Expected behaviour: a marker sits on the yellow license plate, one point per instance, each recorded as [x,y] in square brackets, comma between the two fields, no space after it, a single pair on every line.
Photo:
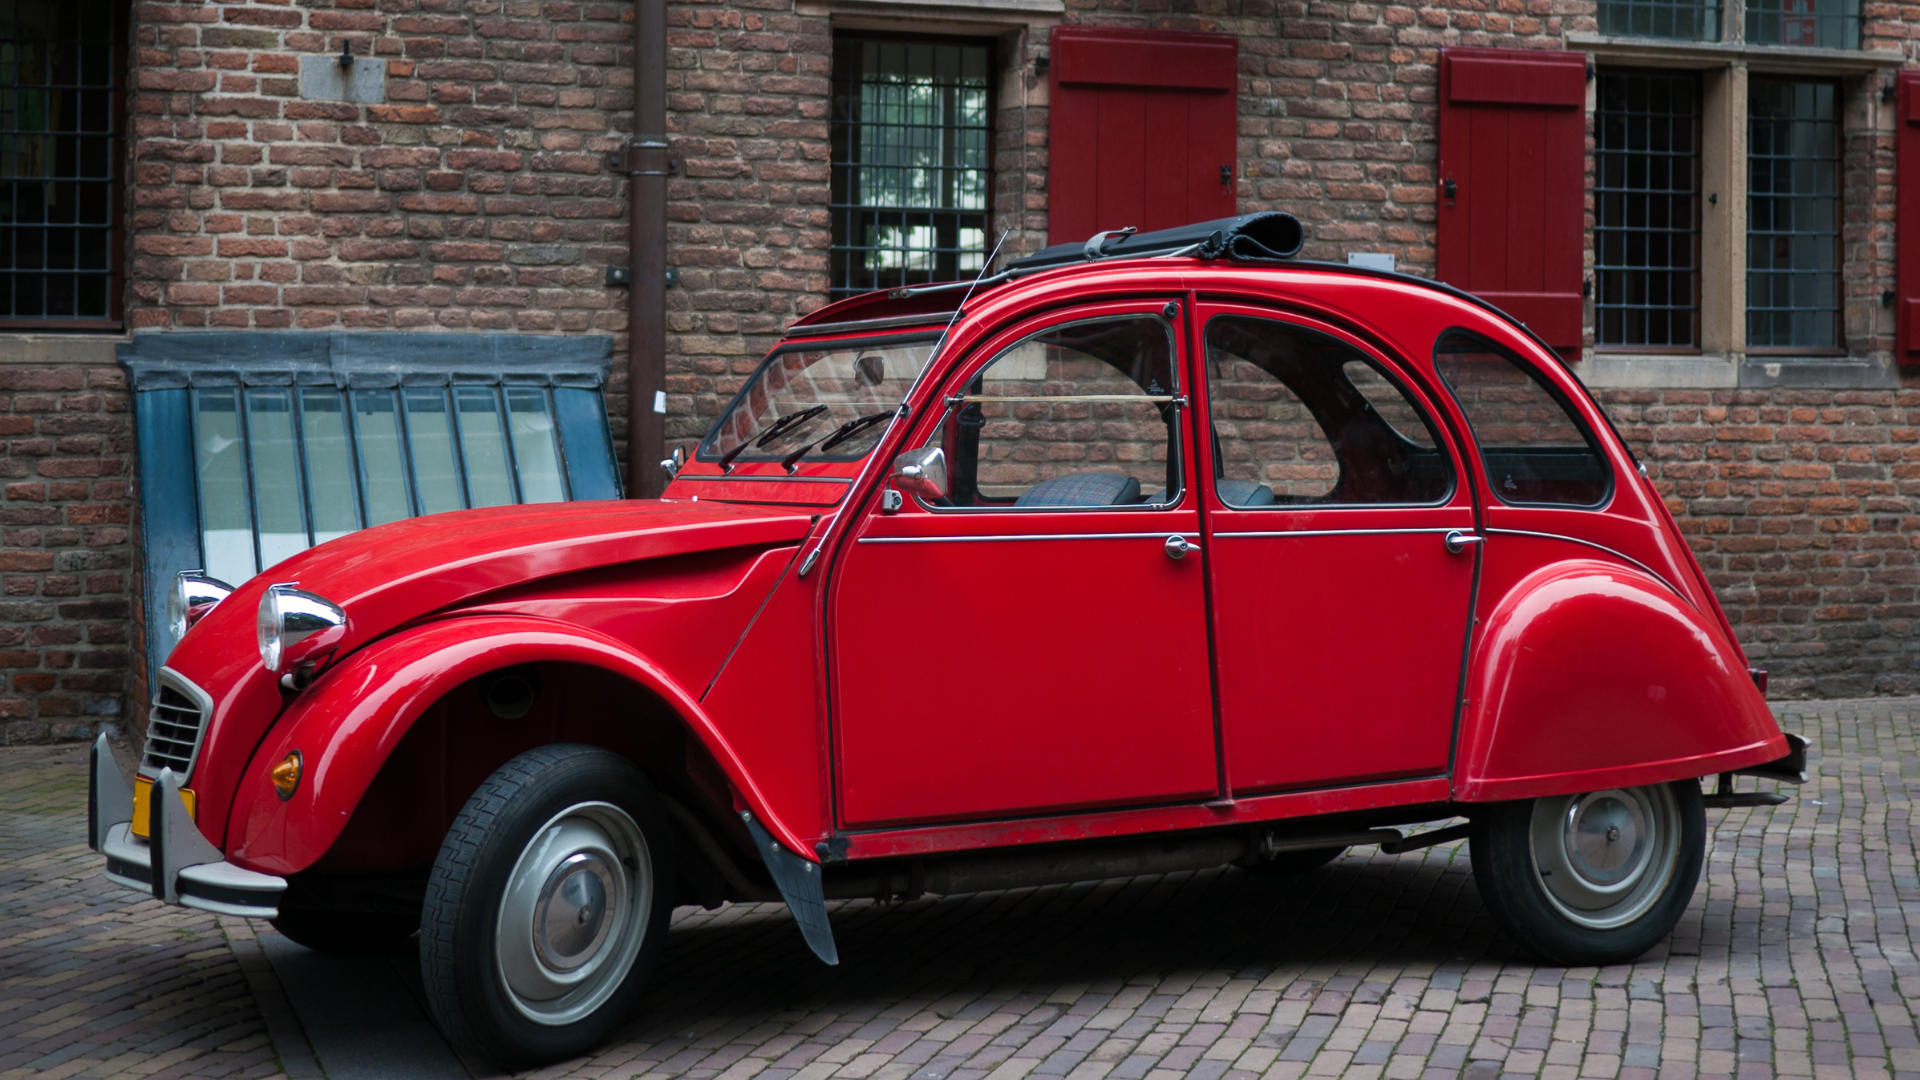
[143,804]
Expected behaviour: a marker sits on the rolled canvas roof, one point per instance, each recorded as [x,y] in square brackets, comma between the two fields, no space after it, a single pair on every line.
[1264,237]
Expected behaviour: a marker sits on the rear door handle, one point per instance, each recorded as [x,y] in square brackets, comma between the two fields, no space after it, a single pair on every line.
[1458,541]
[1177,546]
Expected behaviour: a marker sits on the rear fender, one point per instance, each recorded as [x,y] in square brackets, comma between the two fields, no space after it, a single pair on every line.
[1591,675]
[347,724]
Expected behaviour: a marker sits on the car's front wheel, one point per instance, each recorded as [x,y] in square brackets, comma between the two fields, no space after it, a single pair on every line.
[1595,878]
[547,904]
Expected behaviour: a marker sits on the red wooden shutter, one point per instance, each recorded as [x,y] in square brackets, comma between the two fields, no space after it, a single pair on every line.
[1906,221]
[1142,130]
[1513,183]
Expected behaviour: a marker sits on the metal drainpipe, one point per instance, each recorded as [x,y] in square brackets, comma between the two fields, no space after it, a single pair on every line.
[647,167]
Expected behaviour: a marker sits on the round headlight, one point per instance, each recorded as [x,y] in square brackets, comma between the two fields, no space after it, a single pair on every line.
[192,596]
[297,627]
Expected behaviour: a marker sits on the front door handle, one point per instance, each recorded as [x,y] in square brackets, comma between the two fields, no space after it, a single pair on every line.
[1177,546]
[1458,541]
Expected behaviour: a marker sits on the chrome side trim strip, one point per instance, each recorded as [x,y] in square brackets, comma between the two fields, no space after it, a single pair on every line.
[1288,533]
[1621,555]
[1159,537]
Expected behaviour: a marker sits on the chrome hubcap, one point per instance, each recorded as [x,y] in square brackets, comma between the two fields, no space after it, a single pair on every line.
[1605,857]
[570,919]
[574,913]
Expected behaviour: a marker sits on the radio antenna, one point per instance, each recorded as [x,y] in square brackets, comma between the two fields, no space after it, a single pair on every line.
[826,533]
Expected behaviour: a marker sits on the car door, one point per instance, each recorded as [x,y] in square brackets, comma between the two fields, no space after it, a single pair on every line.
[1036,641]
[1342,556]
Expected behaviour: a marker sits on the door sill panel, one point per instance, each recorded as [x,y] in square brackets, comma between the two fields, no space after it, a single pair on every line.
[925,840]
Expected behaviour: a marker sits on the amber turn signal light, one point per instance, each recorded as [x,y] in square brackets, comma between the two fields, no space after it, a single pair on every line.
[286,775]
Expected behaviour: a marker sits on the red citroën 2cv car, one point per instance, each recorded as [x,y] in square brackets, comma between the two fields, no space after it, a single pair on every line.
[1154,553]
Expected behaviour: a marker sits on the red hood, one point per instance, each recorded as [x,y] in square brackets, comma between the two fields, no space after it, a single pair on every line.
[391,575]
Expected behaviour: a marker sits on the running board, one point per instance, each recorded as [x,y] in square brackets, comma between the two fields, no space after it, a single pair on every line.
[799,882]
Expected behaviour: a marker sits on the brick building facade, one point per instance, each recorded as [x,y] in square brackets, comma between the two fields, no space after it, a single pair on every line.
[455,180]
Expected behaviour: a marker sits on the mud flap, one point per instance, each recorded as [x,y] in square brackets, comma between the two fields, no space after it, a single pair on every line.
[799,882]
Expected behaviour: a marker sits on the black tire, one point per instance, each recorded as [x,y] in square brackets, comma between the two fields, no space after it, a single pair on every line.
[345,932]
[1292,863]
[476,977]
[1584,918]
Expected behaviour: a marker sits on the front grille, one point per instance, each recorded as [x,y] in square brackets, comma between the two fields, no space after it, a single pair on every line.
[175,726]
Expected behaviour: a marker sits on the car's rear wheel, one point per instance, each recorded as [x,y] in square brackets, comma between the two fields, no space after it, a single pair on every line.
[1594,878]
[548,903]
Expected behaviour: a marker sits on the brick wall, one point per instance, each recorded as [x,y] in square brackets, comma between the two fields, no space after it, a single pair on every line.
[66,554]
[477,197]
[1801,506]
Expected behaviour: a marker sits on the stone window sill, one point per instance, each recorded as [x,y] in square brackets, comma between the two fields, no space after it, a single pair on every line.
[1783,59]
[60,350]
[1610,370]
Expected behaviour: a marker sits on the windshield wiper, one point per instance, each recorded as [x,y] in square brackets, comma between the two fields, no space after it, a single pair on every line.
[837,436]
[780,426]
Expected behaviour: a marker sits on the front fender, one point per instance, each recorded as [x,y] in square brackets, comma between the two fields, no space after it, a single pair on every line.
[348,723]
[1590,675]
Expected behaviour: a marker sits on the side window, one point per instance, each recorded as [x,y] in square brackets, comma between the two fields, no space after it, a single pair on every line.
[1080,415]
[1303,418]
[1535,449]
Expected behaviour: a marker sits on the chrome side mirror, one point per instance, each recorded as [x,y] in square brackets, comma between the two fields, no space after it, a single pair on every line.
[674,462]
[921,472]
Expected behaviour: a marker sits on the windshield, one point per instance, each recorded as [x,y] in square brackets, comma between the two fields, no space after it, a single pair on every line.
[816,396]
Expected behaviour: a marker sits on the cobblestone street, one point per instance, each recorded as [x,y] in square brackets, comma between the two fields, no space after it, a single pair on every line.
[1795,959]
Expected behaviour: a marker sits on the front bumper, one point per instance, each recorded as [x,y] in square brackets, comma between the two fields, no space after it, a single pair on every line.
[177,864]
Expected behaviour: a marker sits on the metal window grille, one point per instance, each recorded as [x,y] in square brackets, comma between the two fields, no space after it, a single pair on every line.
[1793,214]
[1824,24]
[911,132]
[60,91]
[281,468]
[1690,20]
[1646,203]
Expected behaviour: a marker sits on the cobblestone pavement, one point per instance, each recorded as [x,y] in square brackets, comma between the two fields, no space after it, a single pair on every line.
[95,981]
[1795,959]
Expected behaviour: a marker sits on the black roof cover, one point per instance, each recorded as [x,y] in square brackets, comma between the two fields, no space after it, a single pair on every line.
[1266,237]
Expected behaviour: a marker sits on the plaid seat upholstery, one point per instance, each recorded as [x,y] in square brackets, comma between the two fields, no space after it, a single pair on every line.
[1082,489]
[1243,492]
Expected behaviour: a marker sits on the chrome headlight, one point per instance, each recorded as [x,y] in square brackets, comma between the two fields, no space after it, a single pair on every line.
[297,628]
[192,596]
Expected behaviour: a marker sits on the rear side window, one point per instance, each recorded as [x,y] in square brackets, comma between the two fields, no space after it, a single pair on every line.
[1535,448]
[1302,418]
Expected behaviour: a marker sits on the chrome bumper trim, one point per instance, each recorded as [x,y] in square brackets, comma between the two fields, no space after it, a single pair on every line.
[191,872]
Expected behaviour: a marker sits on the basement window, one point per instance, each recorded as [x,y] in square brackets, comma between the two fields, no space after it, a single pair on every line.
[257,445]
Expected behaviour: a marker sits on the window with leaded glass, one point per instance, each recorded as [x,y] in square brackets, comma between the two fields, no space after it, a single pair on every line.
[1823,24]
[1793,214]
[60,108]
[1646,210]
[1689,20]
[911,132]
